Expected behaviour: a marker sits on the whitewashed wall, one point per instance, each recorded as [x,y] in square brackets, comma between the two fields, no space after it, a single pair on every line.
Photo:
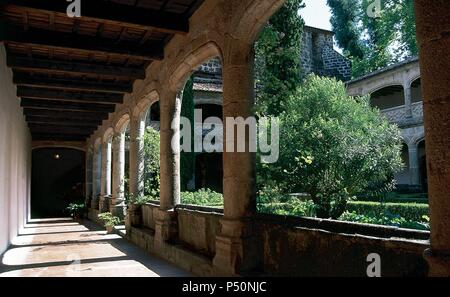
[15,159]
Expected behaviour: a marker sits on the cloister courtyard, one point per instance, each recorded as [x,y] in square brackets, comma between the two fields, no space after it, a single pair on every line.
[96,181]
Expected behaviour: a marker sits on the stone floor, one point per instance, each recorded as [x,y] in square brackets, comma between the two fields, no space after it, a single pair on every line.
[65,248]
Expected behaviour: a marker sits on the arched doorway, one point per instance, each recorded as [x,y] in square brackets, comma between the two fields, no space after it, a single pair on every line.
[58,179]
[423,166]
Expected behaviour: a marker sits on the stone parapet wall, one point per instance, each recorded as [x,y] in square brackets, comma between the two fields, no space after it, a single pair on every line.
[289,246]
[296,250]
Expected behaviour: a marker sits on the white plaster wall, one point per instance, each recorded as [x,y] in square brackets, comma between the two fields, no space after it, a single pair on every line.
[15,159]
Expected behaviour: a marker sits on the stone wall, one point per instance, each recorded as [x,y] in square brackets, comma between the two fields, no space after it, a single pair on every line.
[198,229]
[318,55]
[15,159]
[290,246]
[292,249]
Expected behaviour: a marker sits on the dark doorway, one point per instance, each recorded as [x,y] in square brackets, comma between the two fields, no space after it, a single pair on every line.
[58,178]
[209,172]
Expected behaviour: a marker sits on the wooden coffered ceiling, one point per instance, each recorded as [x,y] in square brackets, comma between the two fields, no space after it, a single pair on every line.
[71,72]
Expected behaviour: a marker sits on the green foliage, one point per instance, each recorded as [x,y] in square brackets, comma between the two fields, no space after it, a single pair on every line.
[152,163]
[277,63]
[386,219]
[332,147]
[373,43]
[400,215]
[294,207]
[344,23]
[409,211]
[187,159]
[203,197]
[141,200]
[109,220]
[76,210]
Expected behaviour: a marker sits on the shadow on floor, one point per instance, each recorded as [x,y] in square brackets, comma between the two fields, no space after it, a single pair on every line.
[74,249]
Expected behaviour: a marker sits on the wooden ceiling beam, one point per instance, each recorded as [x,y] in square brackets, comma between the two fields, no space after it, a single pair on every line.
[22,79]
[56,137]
[52,129]
[74,42]
[72,106]
[54,94]
[69,115]
[66,67]
[63,122]
[109,13]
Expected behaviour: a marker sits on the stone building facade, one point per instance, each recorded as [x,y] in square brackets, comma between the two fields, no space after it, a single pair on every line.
[396,91]
[318,55]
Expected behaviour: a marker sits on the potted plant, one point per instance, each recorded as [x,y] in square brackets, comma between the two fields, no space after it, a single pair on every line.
[76,211]
[109,221]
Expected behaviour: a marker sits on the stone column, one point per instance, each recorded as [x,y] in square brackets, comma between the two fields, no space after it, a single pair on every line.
[89,177]
[137,129]
[433,27]
[414,169]
[117,202]
[105,192]
[235,245]
[95,182]
[408,100]
[166,223]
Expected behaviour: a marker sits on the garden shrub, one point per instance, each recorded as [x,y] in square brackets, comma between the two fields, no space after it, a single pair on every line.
[409,211]
[152,163]
[332,146]
[203,197]
[386,219]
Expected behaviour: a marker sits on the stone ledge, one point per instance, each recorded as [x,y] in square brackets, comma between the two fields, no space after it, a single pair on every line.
[377,231]
[177,254]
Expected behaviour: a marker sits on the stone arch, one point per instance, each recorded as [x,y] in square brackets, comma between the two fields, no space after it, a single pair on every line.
[382,86]
[388,96]
[144,104]
[60,145]
[109,133]
[414,79]
[191,61]
[250,20]
[122,123]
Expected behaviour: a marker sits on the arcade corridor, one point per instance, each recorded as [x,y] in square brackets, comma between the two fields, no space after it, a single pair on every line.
[84,82]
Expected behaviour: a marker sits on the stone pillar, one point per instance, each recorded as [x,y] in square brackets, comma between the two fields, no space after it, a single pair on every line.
[166,223]
[89,178]
[117,202]
[95,182]
[408,100]
[137,129]
[235,245]
[433,27]
[414,168]
[105,192]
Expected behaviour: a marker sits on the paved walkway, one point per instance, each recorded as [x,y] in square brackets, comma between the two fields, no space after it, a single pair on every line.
[65,248]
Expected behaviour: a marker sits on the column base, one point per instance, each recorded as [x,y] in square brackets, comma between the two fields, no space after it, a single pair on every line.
[103,205]
[166,227]
[95,202]
[117,207]
[134,215]
[236,249]
[439,264]
[88,201]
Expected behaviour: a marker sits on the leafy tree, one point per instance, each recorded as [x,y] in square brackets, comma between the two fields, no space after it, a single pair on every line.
[374,42]
[344,24]
[333,146]
[277,63]
[152,163]
[187,159]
